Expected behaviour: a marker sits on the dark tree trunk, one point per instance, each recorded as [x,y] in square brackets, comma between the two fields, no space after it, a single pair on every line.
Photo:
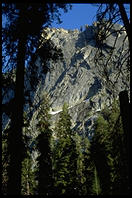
[15,142]
[125,115]
[125,105]
[125,111]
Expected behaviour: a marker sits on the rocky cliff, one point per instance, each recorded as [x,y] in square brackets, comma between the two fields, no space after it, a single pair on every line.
[75,78]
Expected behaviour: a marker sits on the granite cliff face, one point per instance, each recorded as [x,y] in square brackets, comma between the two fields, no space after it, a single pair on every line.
[76,79]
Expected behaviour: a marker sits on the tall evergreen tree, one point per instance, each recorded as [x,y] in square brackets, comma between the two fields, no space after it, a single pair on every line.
[28,183]
[109,152]
[15,135]
[88,166]
[118,156]
[5,162]
[65,159]
[28,176]
[99,154]
[84,172]
[81,188]
[96,190]
[44,148]
[25,22]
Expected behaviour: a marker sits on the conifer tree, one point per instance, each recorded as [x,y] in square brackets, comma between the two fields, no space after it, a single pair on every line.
[21,35]
[5,162]
[28,176]
[84,166]
[96,190]
[117,157]
[88,165]
[65,156]
[28,183]
[44,148]
[99,154]
[109,152]
[80,171]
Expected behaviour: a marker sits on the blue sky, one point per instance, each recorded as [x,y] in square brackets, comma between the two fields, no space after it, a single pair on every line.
[79,15]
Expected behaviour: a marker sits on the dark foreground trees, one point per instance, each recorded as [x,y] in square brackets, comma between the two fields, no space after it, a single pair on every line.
[44,159]
[109,152]
[65,156]
[71,165]
[99,167]
[20,37]
[107,16]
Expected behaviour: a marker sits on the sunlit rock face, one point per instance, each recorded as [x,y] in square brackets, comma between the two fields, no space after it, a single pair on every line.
[76,79]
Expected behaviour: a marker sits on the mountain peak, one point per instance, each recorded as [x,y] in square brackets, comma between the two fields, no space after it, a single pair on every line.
[76,79]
